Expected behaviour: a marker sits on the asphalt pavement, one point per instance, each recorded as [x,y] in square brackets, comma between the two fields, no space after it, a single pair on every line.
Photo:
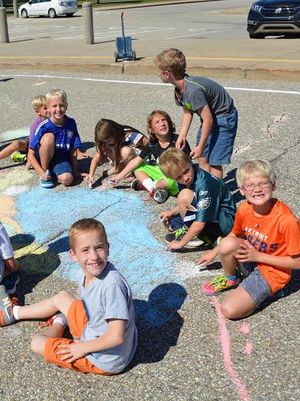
[186,351]
[239,58]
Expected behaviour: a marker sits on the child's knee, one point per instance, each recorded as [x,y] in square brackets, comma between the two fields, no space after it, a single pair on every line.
[38,344]
[185,196]
[127,153]
[47,139]
[229,311]
[65,179]
[228,245]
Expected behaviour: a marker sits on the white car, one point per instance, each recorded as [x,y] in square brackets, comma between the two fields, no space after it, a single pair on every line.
[50,8]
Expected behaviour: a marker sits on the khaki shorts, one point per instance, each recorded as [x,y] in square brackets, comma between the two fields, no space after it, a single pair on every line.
[77,321]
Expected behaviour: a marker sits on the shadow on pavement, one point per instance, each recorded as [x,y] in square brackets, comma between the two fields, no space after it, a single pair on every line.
[158,322]
[36,263]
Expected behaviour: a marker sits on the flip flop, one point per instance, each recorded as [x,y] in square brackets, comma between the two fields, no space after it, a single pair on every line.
[47,183]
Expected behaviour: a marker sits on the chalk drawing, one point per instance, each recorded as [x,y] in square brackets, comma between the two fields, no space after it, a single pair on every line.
[226,349]
[14,134]
[47,215]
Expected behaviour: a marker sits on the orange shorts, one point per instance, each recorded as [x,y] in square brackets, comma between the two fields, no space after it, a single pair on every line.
[77,321]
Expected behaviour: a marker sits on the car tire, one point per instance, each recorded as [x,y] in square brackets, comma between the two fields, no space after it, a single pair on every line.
[51,13]
[256,36]
[24,13]
[70,14]
[116,57]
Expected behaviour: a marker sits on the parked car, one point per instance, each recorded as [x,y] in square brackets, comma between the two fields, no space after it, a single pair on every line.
[50,8]
[274,17]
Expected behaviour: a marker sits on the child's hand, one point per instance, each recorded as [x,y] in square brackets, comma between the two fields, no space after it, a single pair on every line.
[196,152]
[89,179]
[45,176]
[165,216]
[116,179]
[70,352]
[247,253]
[174,246]
[207,257]
[180,143]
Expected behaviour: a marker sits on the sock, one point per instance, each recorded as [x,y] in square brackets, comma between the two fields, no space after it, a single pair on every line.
[59,319]
[15,312]
[231,278]
[148,184]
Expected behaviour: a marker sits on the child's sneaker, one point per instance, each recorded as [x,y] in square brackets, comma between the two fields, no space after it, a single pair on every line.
[137,185]
[219,284]
[48,182]
[159,195]
[6,306]
[18,157]
[179,234]
[10,282]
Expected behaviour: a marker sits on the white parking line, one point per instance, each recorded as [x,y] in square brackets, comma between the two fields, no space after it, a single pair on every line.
[117,81]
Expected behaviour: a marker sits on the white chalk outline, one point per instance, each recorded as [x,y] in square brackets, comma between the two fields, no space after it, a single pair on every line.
[117,81]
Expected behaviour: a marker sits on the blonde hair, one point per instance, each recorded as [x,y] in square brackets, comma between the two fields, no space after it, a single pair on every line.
[255,166]
[150,119]
[83,226]
[173,162]
[57,93]
[39,102]
[172,60]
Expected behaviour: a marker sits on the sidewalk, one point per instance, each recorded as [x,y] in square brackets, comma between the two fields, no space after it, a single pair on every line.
[237,58]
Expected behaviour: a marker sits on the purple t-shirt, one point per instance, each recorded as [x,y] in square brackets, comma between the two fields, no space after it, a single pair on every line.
[34,125]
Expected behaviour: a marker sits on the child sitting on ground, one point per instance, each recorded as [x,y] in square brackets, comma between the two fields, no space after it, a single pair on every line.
[145,167]
[264,243]
[102,322]
[53,148]
[115,143]
[205,195]
[208,99]
[9,268]
[18,149]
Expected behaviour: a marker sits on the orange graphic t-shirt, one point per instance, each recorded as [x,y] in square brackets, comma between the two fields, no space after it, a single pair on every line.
[277,234]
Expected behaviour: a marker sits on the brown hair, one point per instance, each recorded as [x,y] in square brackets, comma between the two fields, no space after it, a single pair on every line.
[85,225]
[173,162]
[149,123]
[108,129]
[172,60]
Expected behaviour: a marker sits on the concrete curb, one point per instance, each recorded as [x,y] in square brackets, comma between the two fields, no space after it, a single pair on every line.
[138,69]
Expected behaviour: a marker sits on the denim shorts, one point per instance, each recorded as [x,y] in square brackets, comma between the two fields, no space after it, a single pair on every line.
[219,145]
[254,283]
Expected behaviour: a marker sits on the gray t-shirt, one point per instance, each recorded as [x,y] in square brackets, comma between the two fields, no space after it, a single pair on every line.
[199,91]
[109,297]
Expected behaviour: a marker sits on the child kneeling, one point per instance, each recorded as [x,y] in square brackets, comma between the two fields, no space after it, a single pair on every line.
[264,244]
[102,322]
[205,204]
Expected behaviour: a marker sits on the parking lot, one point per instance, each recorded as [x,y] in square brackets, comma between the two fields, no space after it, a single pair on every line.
[186,350]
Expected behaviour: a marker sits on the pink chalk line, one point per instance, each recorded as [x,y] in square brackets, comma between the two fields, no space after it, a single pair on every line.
[225,344]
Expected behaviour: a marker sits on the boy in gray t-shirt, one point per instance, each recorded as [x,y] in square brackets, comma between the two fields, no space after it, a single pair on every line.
[213,104]
[102,322]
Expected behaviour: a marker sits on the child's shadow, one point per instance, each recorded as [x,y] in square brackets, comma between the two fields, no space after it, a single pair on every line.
[158,322]
[231,184]
[36,263]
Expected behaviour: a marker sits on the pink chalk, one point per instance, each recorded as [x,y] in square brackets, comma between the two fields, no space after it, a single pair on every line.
[226,349]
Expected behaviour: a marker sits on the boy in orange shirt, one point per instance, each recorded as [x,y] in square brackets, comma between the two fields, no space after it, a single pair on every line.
[264,243]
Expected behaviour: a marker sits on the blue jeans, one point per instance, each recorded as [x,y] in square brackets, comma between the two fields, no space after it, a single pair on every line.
[219,145]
